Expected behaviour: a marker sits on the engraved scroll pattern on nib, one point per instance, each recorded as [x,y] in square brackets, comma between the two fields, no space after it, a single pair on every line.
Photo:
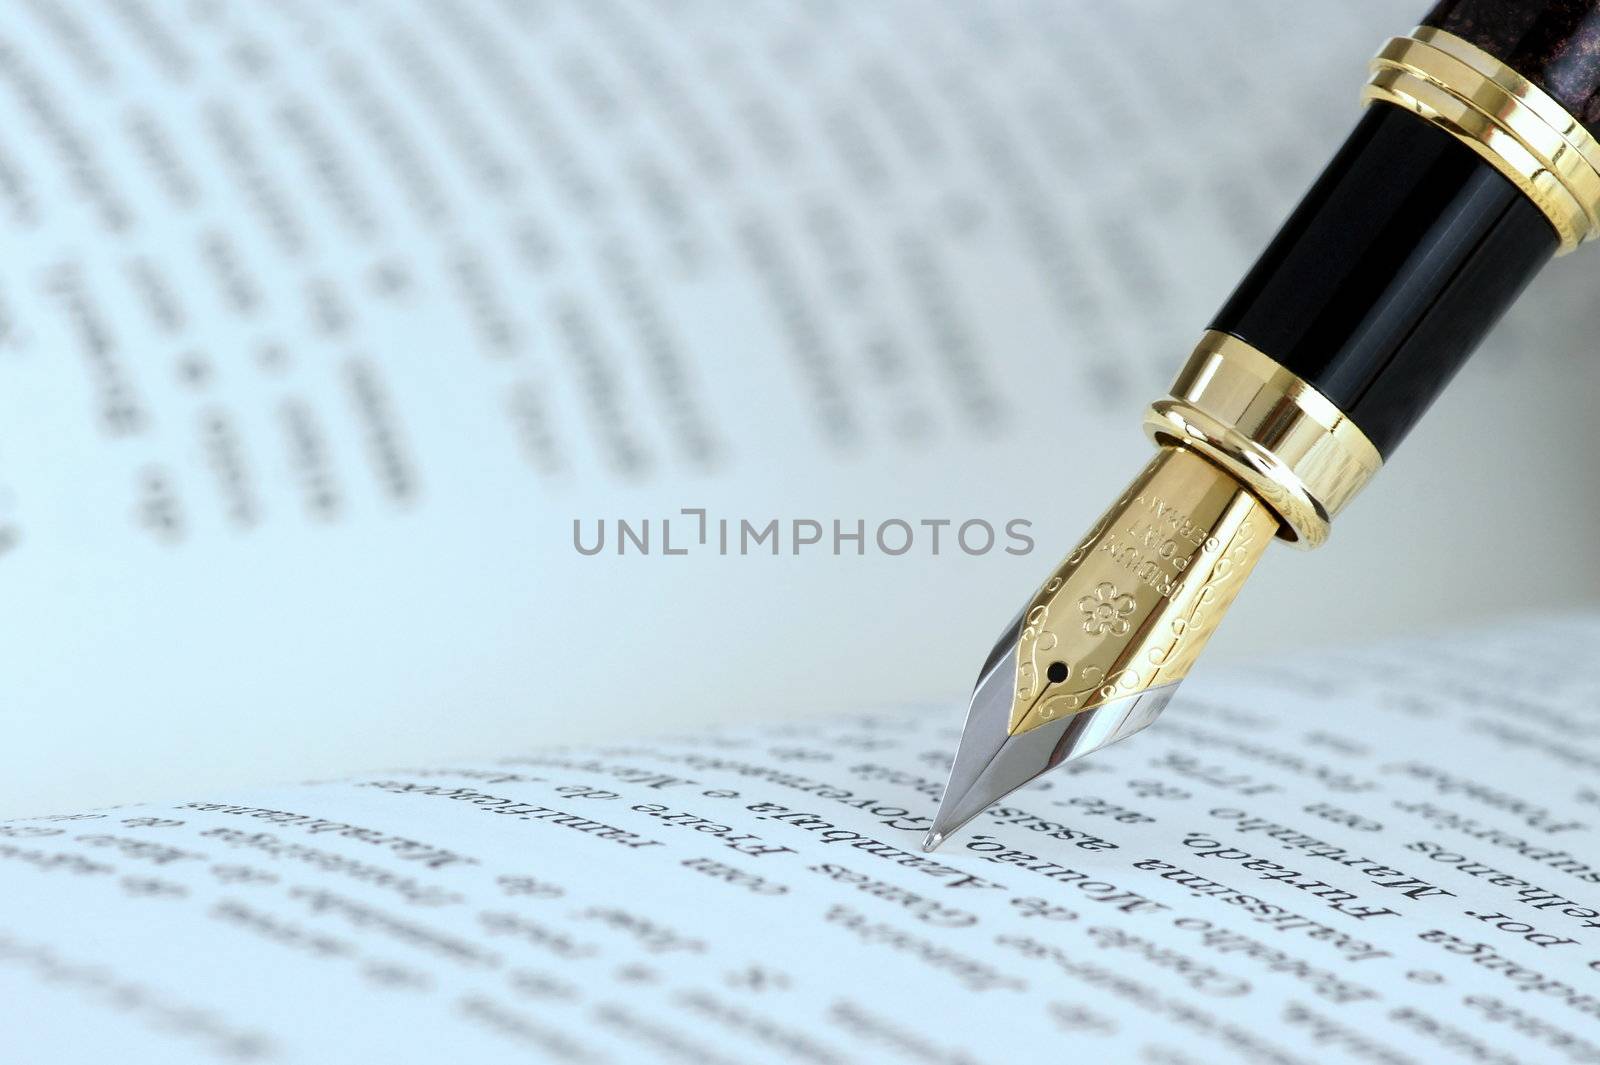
[1133,604]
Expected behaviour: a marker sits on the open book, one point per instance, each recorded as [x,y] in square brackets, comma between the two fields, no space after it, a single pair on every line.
[422,383]
[323,326]
[1387,856]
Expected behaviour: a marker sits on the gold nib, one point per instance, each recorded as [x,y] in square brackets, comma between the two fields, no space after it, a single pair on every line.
[1249,451]
[1131,607]
[1103,644]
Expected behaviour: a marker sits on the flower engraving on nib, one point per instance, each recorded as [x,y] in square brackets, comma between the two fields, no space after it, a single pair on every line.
[1106,611]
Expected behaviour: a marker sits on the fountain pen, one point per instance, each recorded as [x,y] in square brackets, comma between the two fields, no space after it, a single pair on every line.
[1474,162]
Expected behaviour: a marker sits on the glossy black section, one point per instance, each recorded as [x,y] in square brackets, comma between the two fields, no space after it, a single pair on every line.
[1394,266]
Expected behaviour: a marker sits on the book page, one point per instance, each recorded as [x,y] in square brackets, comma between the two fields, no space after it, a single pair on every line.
[1371,857]
[338,342]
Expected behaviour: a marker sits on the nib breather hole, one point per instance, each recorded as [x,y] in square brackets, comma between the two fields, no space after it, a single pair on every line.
[1057,672]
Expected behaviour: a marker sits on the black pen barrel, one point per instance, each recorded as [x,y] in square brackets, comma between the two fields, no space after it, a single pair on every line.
[1401,257]
[1475,163]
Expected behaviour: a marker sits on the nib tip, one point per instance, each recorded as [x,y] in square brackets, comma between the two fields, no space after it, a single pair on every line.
[931,842]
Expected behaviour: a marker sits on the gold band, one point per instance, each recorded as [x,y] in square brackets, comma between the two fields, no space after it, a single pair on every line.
[1271,430]
[1505,118]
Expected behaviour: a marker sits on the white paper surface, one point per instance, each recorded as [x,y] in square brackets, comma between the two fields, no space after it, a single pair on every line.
[321,324]
[1370,856]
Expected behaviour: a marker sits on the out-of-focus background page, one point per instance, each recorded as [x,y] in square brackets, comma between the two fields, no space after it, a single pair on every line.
[321,325]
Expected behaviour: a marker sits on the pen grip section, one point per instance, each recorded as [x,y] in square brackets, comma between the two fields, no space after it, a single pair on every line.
[1391,270]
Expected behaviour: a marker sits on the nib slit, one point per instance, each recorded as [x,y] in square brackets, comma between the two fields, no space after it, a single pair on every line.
[1127,642]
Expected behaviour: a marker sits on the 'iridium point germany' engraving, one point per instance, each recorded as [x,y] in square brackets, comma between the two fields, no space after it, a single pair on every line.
[1131,606]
